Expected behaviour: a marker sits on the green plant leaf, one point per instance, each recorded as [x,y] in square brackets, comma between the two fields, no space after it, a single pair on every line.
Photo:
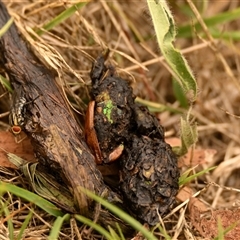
[57,227]
[221,231]
[179,94]
[228,35]
[184,179]
[158,107]
[121,214]
[120,232]
[24,225]
[6,83]
[164,233]
[189,136]
[31,197]
[113,233]
[4,208]
[186,30]
[61,17]
[44,184]
[94,225]
[166,32]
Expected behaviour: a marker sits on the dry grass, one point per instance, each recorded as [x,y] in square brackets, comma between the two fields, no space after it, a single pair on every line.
[125,28]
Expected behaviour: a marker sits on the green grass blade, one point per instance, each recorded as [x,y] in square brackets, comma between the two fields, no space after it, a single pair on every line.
[113,234]
[120,232]
[31,197]
[158,107]
[121,214]
[184,179]
[95,226]
[24,225]
[229,35]
[57,227]
[186,30]
[221,231]
[61,17]
[164,233]
[185,175]
[5,83]
[9,220]
[6,26]
[166,32]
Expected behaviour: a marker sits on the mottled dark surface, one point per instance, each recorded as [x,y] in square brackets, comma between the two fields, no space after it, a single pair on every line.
[149,178]
[149,173]
[146,124]
[113,113]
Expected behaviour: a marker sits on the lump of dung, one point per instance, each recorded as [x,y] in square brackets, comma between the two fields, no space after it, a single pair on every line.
[149,178]
[149,172]
[113,114]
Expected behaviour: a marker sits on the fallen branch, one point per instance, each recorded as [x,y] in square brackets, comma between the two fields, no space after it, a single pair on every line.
[41,111]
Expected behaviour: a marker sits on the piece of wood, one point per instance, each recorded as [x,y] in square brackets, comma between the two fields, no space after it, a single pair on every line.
[57,140]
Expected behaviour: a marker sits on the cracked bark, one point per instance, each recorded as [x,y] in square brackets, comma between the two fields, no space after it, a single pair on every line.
[56,137]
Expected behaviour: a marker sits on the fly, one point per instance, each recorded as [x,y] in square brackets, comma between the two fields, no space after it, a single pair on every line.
[16,116]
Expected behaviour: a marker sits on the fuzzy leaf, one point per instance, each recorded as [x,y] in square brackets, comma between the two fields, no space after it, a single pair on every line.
[166,32]
[189,137]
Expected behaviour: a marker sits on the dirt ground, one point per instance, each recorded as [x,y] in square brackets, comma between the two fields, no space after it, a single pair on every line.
[125,28]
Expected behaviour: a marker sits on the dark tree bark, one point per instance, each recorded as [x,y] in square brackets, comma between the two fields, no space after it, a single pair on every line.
[56,137]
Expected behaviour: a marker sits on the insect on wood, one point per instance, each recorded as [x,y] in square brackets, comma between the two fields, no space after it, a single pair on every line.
[16,116]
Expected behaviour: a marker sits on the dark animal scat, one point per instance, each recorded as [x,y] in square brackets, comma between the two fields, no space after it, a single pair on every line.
[150,188]
[149,172]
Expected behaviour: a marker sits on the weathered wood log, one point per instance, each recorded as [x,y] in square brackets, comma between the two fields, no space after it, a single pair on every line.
[47,120]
